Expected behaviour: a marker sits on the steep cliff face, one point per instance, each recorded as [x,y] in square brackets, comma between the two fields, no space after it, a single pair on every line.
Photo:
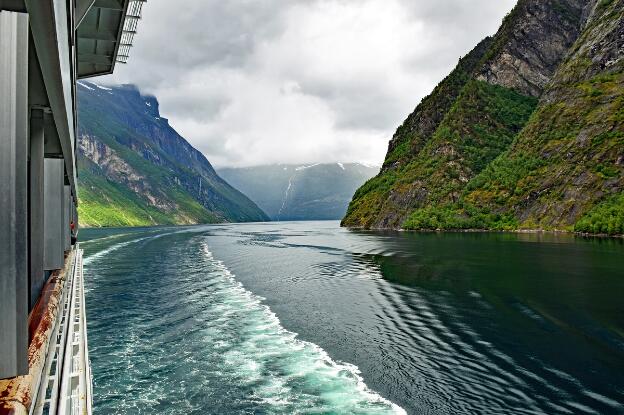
[531,43]
[439,163]
[135,169]
[566,168]
[420,125]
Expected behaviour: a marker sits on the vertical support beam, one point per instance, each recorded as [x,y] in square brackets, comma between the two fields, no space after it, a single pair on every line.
[66,217]
[53,186]
[36,207]
[76,219]
[13,191]
[75,215]
[51,31]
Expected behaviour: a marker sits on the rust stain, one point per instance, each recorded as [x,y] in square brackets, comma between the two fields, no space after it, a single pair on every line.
[39,311]
[15,396]
[16,393]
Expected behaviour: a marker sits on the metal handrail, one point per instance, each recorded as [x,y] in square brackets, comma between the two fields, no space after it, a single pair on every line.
[47,392]
[66,387]
[133,15]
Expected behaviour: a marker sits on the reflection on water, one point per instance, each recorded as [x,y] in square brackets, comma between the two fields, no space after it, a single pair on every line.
[436,323]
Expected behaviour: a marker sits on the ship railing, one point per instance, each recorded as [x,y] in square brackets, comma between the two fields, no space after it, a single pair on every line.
[66,385]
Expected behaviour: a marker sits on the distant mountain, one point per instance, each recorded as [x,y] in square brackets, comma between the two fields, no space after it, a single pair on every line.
[134,169]
[291,192]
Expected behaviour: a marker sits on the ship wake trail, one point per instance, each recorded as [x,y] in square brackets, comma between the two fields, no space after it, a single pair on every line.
[287,374]
[189,338]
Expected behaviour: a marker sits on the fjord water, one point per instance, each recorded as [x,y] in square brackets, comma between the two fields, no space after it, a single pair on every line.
[286,318]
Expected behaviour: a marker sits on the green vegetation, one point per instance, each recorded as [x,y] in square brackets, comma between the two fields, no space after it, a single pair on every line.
[546,174]
[106,203]
[135,170]
[499,160]
[453,218]
[562,162]
[418,128]
[480,124]
[605,218]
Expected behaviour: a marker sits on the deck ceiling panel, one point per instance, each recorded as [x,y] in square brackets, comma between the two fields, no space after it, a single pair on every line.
[98,36]
[104,35]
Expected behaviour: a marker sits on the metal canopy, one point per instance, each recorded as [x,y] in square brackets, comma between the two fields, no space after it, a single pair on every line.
[105,33]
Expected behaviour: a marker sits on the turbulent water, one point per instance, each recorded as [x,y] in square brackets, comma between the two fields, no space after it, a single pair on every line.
[287,318]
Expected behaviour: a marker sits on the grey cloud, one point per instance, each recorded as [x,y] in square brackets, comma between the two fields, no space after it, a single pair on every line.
[255,81]
[469,15]
[357,106]
[173,40]
[197,104]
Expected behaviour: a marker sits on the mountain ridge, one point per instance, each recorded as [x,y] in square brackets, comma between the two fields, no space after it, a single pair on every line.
[434,175]
[136,170]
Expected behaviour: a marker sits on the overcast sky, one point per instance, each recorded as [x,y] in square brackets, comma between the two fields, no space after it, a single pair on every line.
[252,82]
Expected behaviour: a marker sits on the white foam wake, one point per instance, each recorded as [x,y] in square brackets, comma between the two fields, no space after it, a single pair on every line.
[110,249]
[92,257]
[300,374]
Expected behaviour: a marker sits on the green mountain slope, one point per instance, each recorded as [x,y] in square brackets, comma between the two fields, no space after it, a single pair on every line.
[566,169]
[531,140]
[291,192]
[135,170]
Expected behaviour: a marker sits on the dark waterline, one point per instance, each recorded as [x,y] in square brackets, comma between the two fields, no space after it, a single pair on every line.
[436,323]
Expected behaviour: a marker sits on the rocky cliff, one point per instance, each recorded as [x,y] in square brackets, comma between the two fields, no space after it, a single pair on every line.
[526,132]
[135,169]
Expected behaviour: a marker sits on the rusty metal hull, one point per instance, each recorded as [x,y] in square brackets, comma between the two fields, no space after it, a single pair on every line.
[58,356]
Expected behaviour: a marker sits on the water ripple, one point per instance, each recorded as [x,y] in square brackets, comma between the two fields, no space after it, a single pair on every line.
[192,339]
[432,322]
